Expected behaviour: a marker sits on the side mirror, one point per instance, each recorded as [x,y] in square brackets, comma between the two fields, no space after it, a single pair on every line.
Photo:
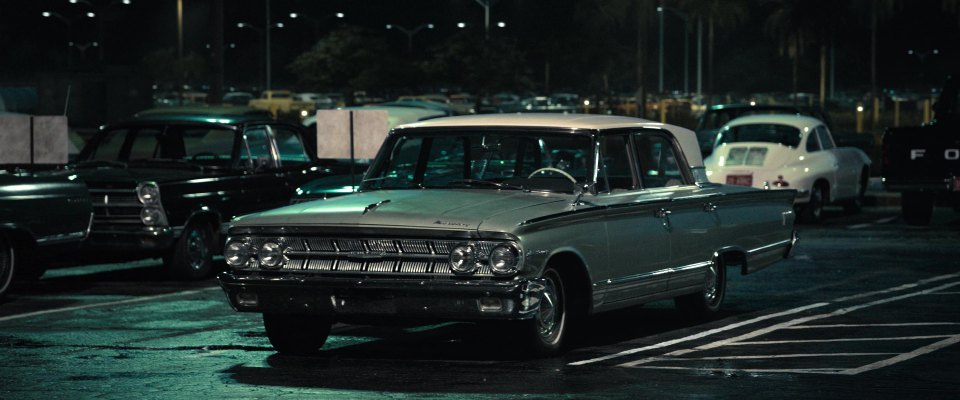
[582,188]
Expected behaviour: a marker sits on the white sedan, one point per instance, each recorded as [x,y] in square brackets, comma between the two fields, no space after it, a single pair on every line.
[788,151]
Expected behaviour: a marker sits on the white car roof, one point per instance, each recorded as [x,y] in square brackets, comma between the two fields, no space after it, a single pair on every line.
[795,120]
[686,137]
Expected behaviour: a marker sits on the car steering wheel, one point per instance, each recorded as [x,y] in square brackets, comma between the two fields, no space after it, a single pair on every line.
[203,154]
[551,169]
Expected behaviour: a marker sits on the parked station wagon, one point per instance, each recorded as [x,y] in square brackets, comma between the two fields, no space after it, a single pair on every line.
[536,220]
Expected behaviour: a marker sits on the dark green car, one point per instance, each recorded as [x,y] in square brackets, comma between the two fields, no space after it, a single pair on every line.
[165,183]
[39,215]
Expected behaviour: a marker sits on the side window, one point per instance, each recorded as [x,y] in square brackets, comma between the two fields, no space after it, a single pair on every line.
[825,140]
[256,148]
[289,146]
[813,144]
[657,159]
[146,142]
[615,173]
[110,145]
[209,146]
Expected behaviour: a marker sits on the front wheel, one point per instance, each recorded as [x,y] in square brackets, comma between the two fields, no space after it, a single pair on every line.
[297,335]
[707,302]
[192,256]
[548,330]
[7,266]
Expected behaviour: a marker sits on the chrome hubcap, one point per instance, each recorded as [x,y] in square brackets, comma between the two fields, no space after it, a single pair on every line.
[196,248]
[712,289]
[547,316]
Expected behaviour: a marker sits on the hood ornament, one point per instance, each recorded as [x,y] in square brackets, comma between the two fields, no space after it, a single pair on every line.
[374,206]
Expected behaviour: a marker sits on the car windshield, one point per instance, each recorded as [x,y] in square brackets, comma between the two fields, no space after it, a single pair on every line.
[483,160]
[769,133]
[212,147]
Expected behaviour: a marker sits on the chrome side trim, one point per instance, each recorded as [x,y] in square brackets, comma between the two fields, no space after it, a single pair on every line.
[627,280]
[63,237]
[770,246]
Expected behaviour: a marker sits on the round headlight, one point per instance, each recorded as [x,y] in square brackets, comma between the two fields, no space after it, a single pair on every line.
[271,256]
[152,216]
[236,253]
[148,193]
[463,259]
[504,259]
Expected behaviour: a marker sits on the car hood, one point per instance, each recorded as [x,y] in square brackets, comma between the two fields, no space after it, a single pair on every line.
[447,209]
[111,177]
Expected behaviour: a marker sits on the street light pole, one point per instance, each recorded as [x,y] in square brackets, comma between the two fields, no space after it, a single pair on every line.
[486,16]
[660,46]
[409,33]
[267,29]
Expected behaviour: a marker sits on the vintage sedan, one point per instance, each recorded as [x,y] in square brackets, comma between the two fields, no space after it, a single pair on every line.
[165,182]
[789,151]
[533,220]
[39,215]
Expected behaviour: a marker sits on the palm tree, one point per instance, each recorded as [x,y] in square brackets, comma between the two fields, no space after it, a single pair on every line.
[798,23]
[717,14]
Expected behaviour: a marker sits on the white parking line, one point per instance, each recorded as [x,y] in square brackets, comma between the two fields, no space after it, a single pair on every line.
[904,357]
[869,224]
[866,339]
[763,318]
[872,325]
[105,304]
[699,335]
[771,356]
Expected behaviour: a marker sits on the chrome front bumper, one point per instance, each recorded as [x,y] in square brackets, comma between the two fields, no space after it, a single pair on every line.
[344,298]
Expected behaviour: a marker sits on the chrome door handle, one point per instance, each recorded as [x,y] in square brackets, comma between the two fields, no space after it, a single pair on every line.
[663,213]
[709,207]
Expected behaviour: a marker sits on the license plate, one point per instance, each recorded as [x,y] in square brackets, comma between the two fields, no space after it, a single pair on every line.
[741,180]
[956,184]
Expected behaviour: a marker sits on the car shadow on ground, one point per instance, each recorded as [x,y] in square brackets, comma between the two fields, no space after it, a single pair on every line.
[437,359]
[137,278]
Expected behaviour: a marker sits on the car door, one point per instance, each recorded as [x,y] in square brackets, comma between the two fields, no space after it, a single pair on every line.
[262,181]
[638,243]
[821,163]
[688,214]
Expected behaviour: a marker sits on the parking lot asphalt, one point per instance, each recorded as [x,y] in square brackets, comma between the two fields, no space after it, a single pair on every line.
[867,307]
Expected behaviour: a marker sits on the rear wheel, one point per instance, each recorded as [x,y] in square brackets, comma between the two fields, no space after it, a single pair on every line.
[707,302]
[192,256]
[297,335]
[812,212]
[854,205]
[917,207]
[7,266]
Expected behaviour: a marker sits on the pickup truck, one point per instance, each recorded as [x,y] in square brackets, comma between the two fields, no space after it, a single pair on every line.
[283,105]
[923,162]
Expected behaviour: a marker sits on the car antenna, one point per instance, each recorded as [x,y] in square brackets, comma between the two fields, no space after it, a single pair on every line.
[66,102]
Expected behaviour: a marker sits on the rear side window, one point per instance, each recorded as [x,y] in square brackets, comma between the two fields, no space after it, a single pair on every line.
[657,161]
[825,141]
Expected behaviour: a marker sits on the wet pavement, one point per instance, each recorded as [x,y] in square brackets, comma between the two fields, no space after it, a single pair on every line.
[867,308]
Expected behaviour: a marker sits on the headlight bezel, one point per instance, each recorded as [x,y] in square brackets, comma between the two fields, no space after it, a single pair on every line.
[153,216]
[466,253]
[241,254]
[512,259]
[148,193]
[274,258]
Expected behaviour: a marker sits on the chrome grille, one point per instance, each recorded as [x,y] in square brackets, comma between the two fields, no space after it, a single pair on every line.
[115,206]
[370,256]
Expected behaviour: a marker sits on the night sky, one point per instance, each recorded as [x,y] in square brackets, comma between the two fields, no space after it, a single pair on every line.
[746,57]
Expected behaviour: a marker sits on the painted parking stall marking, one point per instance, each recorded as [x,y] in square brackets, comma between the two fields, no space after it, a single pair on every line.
[877,344]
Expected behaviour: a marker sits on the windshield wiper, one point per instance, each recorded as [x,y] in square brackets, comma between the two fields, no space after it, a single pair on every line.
[481,182]
[100,163]
[407,185]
